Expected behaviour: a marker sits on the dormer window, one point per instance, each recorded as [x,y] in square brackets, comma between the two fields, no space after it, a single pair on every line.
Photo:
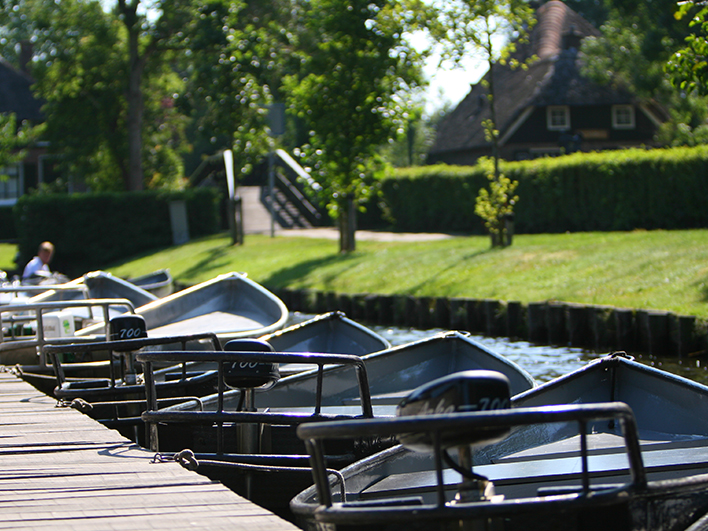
[558,117]
[623,117]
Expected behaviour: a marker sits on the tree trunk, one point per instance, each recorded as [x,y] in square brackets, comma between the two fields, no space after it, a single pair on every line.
[134,100]
[347,227]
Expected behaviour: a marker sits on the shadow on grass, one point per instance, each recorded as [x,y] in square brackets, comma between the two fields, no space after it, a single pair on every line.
[448,267]
[212,260]
[290,275]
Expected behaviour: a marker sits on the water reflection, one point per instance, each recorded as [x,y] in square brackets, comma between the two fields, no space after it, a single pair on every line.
[543,362]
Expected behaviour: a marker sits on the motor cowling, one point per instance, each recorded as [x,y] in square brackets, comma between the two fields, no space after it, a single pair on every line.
[250,374]
[462,392]
[130,326]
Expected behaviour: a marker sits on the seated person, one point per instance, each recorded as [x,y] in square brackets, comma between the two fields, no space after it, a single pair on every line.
[39,265]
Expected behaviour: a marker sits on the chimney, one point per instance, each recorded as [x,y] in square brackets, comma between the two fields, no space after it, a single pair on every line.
[26,52]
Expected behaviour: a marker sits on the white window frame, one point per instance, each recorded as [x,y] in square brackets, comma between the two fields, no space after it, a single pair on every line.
[553,112]
[12,184]
[616,112]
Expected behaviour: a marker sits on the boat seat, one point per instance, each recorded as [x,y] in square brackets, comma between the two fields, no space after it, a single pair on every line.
[246,374]
[99,383]
[382,399]
[552,467]
[466,391]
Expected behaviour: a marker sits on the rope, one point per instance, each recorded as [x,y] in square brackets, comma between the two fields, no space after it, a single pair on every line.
[77,403]
[187,460]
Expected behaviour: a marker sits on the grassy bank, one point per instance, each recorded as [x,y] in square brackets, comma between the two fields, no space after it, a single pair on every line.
[665,270]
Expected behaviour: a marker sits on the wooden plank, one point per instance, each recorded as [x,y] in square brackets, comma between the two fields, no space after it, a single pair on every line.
[62,469]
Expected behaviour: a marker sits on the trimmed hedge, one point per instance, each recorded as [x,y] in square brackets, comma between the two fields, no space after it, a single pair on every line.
[615,190]
[7,224]
[90,231]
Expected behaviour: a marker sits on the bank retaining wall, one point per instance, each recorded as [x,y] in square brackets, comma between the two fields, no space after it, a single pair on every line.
[599,328]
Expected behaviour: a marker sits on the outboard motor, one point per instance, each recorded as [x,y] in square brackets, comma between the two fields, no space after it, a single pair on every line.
[247,376]
[121,328]
[462,392]
[250,374]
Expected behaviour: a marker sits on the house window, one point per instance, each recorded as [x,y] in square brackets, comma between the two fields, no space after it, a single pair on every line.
[10,183]
[558,118]
[623,117]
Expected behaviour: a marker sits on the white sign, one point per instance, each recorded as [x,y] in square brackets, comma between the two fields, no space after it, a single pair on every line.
[229,163]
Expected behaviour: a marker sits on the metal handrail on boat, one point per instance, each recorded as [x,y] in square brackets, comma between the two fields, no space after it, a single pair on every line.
[35,312]
[123,347]
[314,434]
[153,416]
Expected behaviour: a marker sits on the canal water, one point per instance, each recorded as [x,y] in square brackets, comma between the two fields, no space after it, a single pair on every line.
[541,361]
[547,362]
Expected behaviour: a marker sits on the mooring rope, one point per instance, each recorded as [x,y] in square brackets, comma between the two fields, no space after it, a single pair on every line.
[76,403]
[188,460]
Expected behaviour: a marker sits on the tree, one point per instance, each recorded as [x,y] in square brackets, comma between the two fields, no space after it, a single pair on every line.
[355,65]
[14,139]
[478,27]
[688,66]
[237,54]
[103,75]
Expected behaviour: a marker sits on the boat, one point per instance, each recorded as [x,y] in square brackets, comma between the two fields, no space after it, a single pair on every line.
[331,333]
[613,445]
[160,282]
[331,389]
[27,327]
[93,285]
[118,400]
[230,305]
[264,438]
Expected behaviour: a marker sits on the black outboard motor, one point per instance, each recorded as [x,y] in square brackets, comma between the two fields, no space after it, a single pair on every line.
[121,328]
[247,376]
[462,392]
[250,374]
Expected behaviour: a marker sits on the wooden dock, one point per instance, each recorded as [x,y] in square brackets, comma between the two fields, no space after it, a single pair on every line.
[60,469]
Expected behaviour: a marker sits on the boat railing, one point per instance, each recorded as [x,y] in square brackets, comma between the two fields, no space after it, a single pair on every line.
[32,291]
[314,435]
[121,349]
[154,416]
[23,324]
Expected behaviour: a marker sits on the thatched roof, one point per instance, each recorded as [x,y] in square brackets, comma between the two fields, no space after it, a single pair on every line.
[16,95]
[553,79]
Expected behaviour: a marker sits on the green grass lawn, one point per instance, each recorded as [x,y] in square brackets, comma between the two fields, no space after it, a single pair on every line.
[7,256]
[665,270]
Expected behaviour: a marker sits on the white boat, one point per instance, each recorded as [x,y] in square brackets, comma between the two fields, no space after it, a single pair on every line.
[333,390]
[329,333]
[160,283]
[28,326]
[230,305]
[613,445]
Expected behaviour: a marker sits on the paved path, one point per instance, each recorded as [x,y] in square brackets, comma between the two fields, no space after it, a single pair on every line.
[333,234]
[62,470]
[256,220]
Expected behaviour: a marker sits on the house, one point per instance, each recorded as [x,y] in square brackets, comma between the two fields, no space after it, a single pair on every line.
[550,108]
[16,97]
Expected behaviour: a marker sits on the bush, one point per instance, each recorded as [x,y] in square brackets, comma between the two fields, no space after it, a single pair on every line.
[612,190]
[7,225]
[92,230]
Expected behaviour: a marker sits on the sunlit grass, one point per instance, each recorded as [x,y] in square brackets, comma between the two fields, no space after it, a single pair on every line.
[7,256]
[665,270]
[643,269]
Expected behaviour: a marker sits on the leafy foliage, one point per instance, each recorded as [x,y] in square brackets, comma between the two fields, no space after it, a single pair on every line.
[348,95]
[688,67]
[476,26]
[496,204]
